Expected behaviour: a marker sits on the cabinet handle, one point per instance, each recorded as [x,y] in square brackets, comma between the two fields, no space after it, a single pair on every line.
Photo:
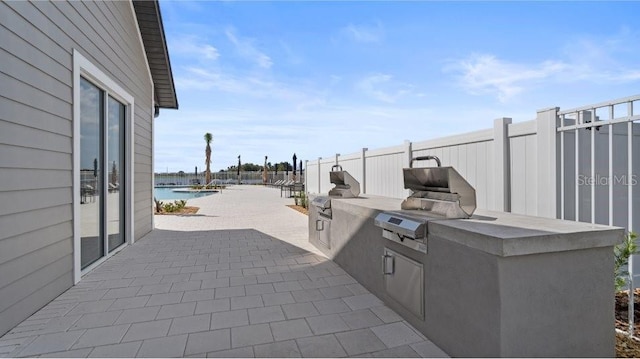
[387,264]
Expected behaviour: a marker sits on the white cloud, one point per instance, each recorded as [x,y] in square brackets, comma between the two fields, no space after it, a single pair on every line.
[198,78]
[192,46]
[364,33]
[247,50]
[594,60]
[481,74]
[383,88]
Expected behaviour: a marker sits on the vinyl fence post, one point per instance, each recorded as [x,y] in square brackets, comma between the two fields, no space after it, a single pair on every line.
[363,158]
[546,137]
[319,176]
[501,164]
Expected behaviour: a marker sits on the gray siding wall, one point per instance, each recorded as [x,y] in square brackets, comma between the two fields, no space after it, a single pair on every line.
[36,106]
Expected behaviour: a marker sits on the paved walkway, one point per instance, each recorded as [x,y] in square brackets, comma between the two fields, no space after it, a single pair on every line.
[238,280]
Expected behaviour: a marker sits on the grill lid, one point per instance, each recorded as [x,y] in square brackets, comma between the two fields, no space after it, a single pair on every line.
[346,185]
[441,190]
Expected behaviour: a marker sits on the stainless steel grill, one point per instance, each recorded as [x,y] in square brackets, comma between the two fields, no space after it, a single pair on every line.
[345,185]
[437,193]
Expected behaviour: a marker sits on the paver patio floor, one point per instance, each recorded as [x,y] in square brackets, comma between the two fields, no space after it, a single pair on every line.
[239,280]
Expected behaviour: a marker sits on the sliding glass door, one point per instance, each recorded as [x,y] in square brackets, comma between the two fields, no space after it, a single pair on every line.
[102,173]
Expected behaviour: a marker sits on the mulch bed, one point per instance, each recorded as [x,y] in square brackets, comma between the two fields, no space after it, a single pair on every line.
[627,347]
[299,209]
[185,210]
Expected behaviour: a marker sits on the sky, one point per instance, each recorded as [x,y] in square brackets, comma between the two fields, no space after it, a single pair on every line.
[318,78]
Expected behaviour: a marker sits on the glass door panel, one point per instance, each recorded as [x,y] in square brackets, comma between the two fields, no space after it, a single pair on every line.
[91,183]
[115,179]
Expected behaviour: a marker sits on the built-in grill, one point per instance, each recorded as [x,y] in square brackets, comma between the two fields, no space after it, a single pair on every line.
[437,193]
[345,187]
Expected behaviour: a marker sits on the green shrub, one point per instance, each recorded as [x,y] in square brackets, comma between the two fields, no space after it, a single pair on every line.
[621,253]
[177,205]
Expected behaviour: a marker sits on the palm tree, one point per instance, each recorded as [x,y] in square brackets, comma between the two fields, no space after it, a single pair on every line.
[208,138]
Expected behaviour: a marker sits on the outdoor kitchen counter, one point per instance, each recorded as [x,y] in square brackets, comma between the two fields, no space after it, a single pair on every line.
[498,233]
[495,285]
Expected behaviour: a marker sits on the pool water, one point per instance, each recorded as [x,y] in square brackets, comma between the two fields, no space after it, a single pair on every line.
[168,194]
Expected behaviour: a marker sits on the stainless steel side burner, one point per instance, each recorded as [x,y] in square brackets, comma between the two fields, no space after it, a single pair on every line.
[437,193]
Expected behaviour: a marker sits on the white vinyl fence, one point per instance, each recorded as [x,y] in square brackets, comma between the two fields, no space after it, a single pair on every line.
[558,165]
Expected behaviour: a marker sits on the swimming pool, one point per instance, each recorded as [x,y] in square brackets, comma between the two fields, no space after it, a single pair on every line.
[168,194]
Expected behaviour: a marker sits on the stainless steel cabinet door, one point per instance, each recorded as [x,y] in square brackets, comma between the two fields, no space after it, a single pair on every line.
[404,281]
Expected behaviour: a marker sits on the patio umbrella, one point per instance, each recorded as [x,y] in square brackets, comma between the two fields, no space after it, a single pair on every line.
[238,169]
[264,171]
[294,166]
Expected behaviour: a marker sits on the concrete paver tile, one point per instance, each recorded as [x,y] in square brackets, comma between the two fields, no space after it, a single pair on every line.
[251,301]
[286,349]
[74,353]
[386,314]
[323,346]
[234,318]
[246,352]
[360,341]
[94,320]
[176,310]
[331,306]
[251,335]
[325,324]
[277,298]
[49,343]
[290,329]
[213,305]
[147,330]
[185,286]
[361,319]
[403,351]
[340,280]
[198,295]
[164,298]
[427,349]
[122,292]
[124,350]
[101,336]
[155,289]
[92,307]
[168,347]
[137,315]
[192,324]
[287,286]
[396,334]
[299,310]
[128,303]
[254,289]
[203,275]
[209,341]
[227,292]
[266,314]
[247,280]
[362,301]
[336,292]
[215,283]
[307,295]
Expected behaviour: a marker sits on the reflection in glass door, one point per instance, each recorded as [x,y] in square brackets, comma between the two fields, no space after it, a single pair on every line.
[115,160]
[91,119]
[102,174]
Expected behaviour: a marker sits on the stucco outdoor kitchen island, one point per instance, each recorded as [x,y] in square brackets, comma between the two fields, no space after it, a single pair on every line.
[496,284]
